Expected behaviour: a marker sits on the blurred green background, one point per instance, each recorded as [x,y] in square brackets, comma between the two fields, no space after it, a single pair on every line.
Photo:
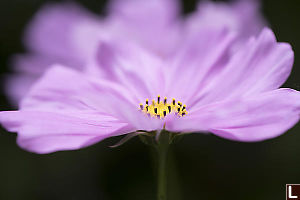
[208,167]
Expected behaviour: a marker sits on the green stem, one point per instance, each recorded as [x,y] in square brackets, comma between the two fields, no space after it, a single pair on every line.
[162,151]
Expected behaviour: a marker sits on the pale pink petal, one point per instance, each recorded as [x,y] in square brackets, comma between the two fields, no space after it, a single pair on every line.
[59,30]
[151,23]
[37,64]
[59,33]
[138,11]
[46,132]
[243,17]
[17,86]
[261,65]
[141,72]
[254,118]
[65,90]
[202,57]
[28,68]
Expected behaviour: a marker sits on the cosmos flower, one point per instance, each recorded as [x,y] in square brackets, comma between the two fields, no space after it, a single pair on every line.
[68,34]
[205,88]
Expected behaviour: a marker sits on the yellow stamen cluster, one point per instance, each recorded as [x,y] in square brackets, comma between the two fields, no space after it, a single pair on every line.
[161,108]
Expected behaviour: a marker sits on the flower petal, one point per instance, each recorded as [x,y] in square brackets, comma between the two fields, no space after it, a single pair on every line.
[66,90]
[46,132]
[242,17]
[141,11]
[202,57]
[59,30]
[261,65]
[254,118]
[59,33]
[29,68]
[17,86]
[132,66]
[152,23]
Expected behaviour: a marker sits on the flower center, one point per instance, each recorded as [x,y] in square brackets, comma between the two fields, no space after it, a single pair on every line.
[160,109]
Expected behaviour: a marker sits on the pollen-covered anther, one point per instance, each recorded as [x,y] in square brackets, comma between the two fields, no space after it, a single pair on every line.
[161,108]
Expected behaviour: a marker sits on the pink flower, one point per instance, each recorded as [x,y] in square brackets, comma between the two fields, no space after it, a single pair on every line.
[232,94]
[69,35]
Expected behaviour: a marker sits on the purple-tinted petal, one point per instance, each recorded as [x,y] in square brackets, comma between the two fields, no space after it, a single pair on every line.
[17,86]
[46,132]
[65,90]
[59,30]
[261,65]
[242,17]
[152,23]
[36,64]
[202,57]
[250,15]
[59,33]
[259,117]
[138,11]
[28,68]
[141,72]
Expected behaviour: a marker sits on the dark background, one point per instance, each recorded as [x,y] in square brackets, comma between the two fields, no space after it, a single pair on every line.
[208,167]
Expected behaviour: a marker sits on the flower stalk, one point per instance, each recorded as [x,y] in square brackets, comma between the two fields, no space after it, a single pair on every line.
[162,157]
[160,142]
